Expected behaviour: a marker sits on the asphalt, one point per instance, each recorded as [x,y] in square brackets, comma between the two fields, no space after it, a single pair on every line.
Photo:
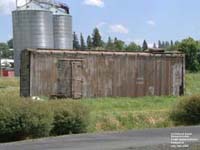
[150,139]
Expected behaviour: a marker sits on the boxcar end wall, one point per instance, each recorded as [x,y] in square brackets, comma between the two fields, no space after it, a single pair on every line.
[80,74]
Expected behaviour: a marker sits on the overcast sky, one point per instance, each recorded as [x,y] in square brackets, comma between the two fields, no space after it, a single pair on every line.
[129,20]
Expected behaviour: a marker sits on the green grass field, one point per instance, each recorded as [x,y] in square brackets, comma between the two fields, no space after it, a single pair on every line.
[111,114]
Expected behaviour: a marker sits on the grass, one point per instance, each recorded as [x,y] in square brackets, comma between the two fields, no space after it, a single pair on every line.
[9,88]
[111,114]
[9,82]
[192,83]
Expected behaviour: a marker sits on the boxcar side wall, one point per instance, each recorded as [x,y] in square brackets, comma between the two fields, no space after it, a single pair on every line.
[43,75]
[106,75]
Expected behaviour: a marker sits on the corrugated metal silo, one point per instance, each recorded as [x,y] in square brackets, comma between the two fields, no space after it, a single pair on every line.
[31,29]
[62,31]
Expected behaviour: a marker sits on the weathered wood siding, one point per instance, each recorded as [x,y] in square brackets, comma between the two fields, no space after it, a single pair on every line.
[79,74]
[25,74]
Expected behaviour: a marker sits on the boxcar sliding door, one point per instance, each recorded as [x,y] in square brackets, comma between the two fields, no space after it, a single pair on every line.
[69,78]
[77,80]
[64,75]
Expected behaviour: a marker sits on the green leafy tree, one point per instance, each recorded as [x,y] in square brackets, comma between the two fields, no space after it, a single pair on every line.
[96,38]
[119,44]
[76,44]
[133,47]
[89,42]
[144,45]
[191,48]
[5,51]
[82,41]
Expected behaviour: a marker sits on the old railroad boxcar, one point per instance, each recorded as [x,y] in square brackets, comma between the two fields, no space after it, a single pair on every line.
[80,74]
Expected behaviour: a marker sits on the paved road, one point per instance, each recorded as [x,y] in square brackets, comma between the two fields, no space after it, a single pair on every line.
[153,139]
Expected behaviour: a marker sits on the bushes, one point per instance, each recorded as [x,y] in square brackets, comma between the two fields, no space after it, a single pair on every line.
[24,119]
[69,118]
[187,111]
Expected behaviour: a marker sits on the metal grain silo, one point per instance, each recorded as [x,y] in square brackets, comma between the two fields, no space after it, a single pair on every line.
[62,25]
[31,29]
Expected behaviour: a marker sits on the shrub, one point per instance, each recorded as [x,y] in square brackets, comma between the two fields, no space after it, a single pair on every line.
[69,117]
[22,119]
[191,48]
[187,111]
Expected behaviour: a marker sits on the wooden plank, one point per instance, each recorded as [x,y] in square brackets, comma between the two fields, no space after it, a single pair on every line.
[77,79]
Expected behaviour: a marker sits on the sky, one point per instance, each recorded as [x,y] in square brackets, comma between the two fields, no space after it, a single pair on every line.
[129,20]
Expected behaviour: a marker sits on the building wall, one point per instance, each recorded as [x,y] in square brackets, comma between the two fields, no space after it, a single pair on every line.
[79,74]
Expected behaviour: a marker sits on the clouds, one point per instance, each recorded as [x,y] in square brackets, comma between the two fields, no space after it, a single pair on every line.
[113,28]
[97,3]
[151,22]
[101,24]
[7,6]
[118,28]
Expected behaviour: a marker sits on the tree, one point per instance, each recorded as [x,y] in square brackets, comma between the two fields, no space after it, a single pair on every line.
[82,41]
[89,42]
[172,43]
[96,38]
[76,44]
[167,44]
[110,44]
[173,46]
[191,49]
[119,44]
[163,44]
[10,43]
[176,43]
[5,51]
[133,47]
[159,44]
[144,45]
[154,45]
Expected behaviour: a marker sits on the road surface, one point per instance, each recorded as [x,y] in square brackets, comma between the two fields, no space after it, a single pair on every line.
[149,139]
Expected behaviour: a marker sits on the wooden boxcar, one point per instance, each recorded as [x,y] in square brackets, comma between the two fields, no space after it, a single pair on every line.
[81,74]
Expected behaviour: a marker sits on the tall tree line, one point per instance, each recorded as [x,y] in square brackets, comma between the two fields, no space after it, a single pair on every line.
[167,45]
[95,42]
